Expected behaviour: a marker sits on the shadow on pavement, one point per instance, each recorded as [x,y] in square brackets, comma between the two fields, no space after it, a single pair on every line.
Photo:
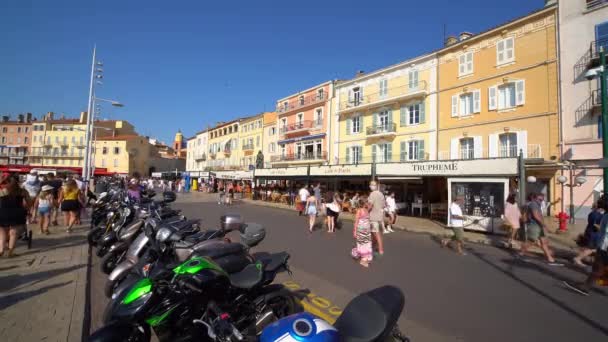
[12,299]
[13,281]
[47,244]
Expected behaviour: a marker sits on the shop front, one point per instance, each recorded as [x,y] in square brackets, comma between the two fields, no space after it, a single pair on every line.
[279,184]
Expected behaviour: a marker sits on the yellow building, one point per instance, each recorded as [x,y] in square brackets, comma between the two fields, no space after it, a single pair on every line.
[498,95]
[387,115]
[123,154]
[252,137]
[224,149]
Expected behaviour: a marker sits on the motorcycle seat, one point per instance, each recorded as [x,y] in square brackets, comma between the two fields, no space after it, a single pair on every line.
[273,262]
[371,316]
[249,277]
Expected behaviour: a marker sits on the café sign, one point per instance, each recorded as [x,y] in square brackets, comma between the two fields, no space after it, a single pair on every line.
[282,172]
[341,170]
[474,167]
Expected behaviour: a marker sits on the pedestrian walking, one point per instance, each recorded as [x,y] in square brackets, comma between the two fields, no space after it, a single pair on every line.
[536,230]
[317,192]
[220,192]
[70,199]
[56,183]
[362,234]
[512,218]
[311,211]
[14,206]
[32,186]
[332,210]
[376,216]
[230,193]
[44,205]
[456,222]
[391,210]
[599,270]
[303,197]
[589,240]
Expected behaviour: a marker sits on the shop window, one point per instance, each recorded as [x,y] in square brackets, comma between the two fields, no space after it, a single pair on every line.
[467,148]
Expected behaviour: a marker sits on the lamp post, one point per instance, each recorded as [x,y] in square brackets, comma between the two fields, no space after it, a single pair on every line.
[86,170]
[602,76]
[577,181]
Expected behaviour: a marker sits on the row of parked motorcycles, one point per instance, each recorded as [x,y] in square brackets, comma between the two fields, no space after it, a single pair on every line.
[170,278]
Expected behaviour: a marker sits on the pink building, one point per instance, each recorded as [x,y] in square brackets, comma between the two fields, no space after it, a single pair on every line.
[303,121]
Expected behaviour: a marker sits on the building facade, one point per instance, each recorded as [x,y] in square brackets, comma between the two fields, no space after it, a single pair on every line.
[498,96]
[15,139]
[270,138]
[388,115]
[123,154]
[224,149]
[197,152]
[250,139]
[583,30]
[303,124]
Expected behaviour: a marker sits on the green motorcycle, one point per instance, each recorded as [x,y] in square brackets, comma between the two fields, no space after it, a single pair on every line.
[170,299]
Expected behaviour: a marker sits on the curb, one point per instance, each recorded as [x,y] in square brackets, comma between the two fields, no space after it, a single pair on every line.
[86,323]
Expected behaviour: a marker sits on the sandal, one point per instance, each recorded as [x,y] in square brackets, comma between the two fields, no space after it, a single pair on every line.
[12,254]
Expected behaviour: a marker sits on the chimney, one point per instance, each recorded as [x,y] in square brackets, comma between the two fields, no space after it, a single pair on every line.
[5,118]
[83,117]
[49,116]
[465,35]
[451,40]
[359,73]
[551,2]
[20,118]
[28,117]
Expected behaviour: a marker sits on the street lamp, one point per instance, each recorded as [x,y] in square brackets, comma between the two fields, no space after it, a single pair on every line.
[577,181]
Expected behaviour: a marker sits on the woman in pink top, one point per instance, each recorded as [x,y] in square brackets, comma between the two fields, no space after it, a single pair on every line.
[512,217]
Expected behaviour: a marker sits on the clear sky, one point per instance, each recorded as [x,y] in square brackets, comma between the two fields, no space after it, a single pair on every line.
[186,64]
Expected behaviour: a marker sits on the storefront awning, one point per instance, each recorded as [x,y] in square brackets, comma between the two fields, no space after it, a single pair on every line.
[308,137]
[397,178]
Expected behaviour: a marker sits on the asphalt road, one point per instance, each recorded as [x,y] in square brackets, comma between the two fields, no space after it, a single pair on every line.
[486,295]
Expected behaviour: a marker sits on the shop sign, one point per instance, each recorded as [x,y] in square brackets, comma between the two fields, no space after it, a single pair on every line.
[236,175]
[282,171]
[477,167]
[341,170]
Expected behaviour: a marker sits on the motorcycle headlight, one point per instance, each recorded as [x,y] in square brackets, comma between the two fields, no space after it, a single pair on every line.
[110,214]
[163,234]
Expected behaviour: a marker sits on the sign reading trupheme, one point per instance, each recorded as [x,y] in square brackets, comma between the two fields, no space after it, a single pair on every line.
[475,167]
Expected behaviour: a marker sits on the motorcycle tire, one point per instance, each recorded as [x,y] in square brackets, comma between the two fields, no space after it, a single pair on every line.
[94,235]
[122,332]
[109,262]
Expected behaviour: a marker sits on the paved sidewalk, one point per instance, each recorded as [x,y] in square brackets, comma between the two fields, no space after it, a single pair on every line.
[43,290]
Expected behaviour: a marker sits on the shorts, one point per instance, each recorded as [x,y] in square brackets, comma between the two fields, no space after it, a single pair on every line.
[375,226]
[70,205]
[311,211]
[331,213]
[534,232]
[44,210]
[458,234]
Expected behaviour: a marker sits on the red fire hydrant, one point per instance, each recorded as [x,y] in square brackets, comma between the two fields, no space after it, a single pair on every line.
[562,218]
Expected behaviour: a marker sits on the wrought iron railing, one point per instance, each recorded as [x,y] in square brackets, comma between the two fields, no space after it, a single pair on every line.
[302,125]
[298,103]
[381,129]
[415,88]
[299,156]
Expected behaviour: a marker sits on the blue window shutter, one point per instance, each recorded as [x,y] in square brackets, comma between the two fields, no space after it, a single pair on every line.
[348,125]
[374,153]
[422,113]
[403,116]
[389,152]
[403,155]
[348,155]
[421,150]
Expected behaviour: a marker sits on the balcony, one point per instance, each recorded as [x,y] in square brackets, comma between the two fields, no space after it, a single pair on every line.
[533,151]
[302,126]
[592,4]
[212,155]
[591,58]
[227,151]
[299,104]
[299,157]
[592,105]
[381,130]
[248,147]
[200,157]
[391,95]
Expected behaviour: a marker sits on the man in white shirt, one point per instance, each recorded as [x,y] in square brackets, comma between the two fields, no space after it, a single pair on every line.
[456,222]
[391,209]
[303,194]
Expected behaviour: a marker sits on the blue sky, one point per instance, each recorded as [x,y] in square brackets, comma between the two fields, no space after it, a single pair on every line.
[186,64]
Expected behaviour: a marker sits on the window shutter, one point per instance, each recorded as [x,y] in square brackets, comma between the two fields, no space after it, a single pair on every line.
[461,65]
[520,92]
[403,116]
[469,60]
[389,152]
[403,151]
[493,145]
[374,148]
[454,105]
[500,52]
[359,153]
[522,143]
[422,113]
[476,101]
[361,94]
[349,124]
[375,119]
[350,96]
[454,145]
[492,98]
[390,116]
[421,150]
[509,49]
[348,155]
[477,147]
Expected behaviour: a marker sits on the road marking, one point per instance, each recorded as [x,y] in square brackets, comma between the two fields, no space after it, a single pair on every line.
[315,304]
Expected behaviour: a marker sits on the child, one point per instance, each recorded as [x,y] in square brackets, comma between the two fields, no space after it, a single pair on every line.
[362,234]
[44,203]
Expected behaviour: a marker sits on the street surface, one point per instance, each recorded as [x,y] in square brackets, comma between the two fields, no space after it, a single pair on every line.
[486,295]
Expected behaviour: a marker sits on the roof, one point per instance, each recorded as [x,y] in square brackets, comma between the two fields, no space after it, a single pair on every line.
[15,123]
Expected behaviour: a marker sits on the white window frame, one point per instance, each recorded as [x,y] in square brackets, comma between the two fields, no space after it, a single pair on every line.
[463,104]
[475,103]
[319,116]
[465,64]
[383,88]
[505,51]
[469,151]
[411,115]
[359,120]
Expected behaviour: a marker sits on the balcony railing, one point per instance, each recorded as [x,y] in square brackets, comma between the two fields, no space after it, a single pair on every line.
[247,147]
[591,105]
[591,57]
[591,4]
[200,156]
[390,94]
[301,103]
[299,157]
[533,151]
[296,127]
[384,129]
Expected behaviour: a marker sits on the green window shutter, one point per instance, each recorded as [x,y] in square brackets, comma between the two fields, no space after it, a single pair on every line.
[421,150]
[403,154]
[422,113]
[375,120]
[348,125]
[403,116]
[389,152]
[359,154]
[374,153]
[348,155]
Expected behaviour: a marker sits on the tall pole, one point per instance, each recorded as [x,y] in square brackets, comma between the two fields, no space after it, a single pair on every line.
[522,177]
[604,115]
[87,151]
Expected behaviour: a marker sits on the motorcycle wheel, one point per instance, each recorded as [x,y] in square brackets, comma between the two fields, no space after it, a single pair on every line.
[109,262]
[94,235]
[122,332]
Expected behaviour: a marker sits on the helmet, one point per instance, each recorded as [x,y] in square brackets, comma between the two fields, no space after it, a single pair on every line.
[169,196]
[300,327]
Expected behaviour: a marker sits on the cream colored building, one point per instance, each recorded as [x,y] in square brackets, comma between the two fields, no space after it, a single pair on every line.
[123,154]
[196,158]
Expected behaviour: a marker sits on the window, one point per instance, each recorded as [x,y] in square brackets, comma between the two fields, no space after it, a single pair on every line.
[104,150]
[103,162]
[299,119]
[413,79]
[73,140]
[412,150]
[467,150]
[415,113]
[354,154]
[383,88]
[25,140]
[4,140]
[115,162]
[508,145]
[466,104]
[48,140]
[26,129]
[18,129]
[18,140]
[251,126]
[320,94]
[505,51]
[283,150]
[257,141]
[355,96]
[301,100]
[507,95]
[273,130]
[57,140]
[381,153]
[382,120]
[116,150]
[271,147]
[319,117]
[81,140]
[353,125]
[4,129]
[465,64]
[285,105]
